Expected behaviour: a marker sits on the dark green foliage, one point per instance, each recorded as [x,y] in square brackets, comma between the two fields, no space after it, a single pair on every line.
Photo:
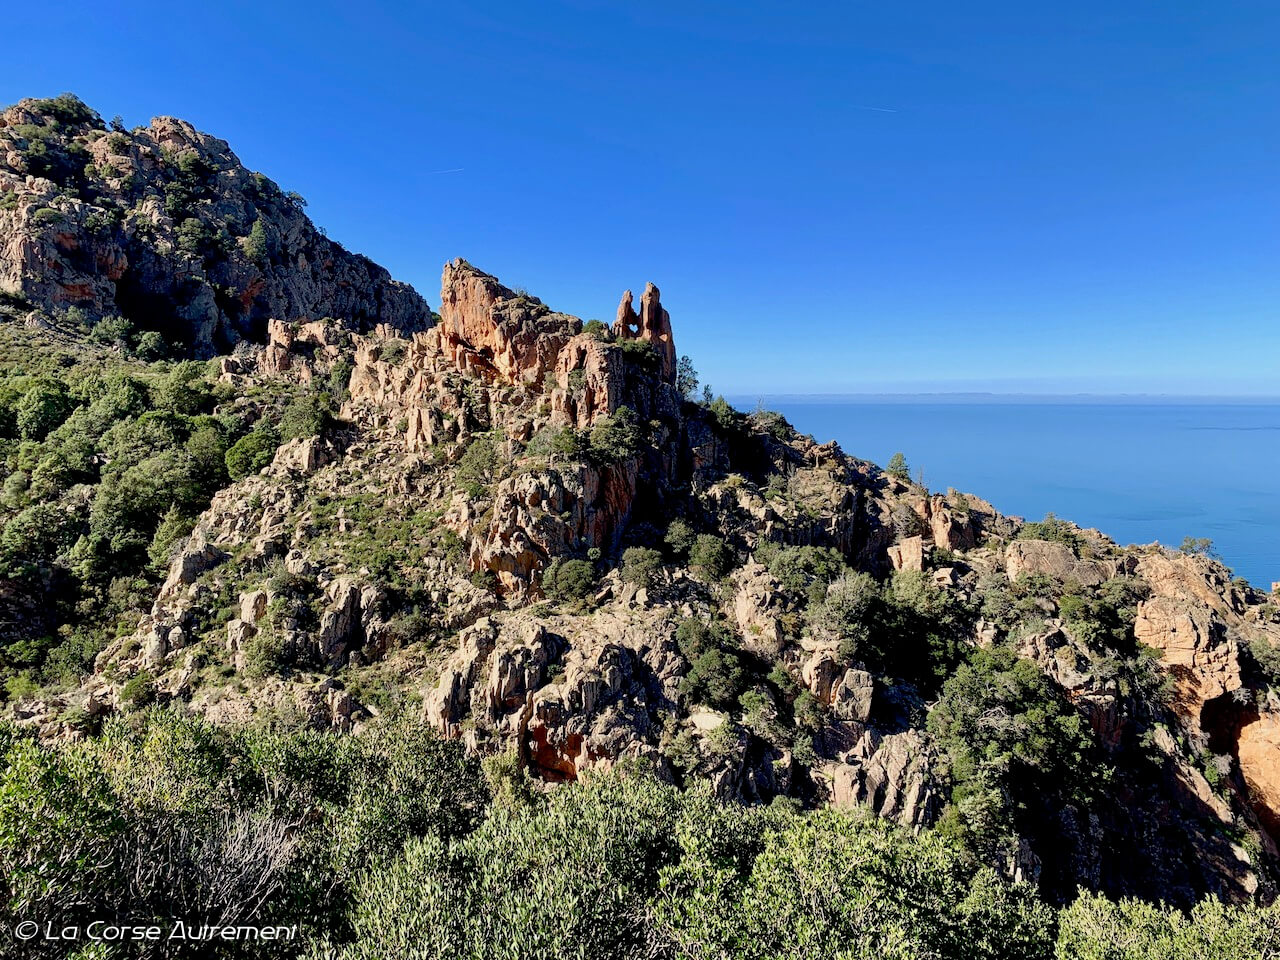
[167,817]
[773,423]
[251,453]
[565,442]
[394,352]
[639,353]
[686,378]
[710,557]
[716,676]
[389,844]
[255,244]
[1201,546]
[909,628]
[47,215]
[114,331]
[596,329]
[1103,619]
[340,376]
[308,416]
[1016,748]
[138,692]
[107,463]
[680,538]
[568,579]
[800,569]
[897,467]
[640,565]
[1051,528]
[616,437]
[1266,657]
[67,109]
[173,528]
[42,408]
[1095,928]
[726,418]
[477,464]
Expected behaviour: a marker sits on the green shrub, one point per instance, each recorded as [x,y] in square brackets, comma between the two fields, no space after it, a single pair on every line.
[568,579]
[1266,657]
[680,538]
[897,467]
[478,463]
[394,352]
[151,347]
[47,215]
[1095,928]
[139,691]
[1051,528]
[1038,752]
[250,453]
[113,331]
[340,376]
[799,569]
[710,557]
[617,437]
[42,408]
[255,244]
[686,378]
[640,565]
[308,416]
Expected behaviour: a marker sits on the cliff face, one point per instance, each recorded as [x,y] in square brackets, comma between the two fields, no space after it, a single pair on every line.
[164,226]
[520,525]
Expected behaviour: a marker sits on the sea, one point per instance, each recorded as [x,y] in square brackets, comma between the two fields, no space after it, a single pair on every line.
[1139,469]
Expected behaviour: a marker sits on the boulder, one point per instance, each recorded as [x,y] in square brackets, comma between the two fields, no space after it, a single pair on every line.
[907,554]
[892,775]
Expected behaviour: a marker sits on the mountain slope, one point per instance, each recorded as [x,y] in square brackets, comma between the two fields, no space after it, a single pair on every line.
[164,226]
[524,531]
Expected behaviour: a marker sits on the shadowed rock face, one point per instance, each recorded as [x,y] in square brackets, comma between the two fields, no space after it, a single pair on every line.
[166,227]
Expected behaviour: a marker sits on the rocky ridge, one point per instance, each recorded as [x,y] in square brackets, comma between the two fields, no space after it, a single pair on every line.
[164,226]
[468,542]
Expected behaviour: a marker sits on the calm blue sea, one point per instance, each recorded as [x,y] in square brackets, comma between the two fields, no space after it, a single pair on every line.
[1137,470]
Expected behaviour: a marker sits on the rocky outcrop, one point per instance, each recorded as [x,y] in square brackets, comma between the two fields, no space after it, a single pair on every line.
[166,227]
[907,554]
[1258,750]
[892,775]
[1195,650]
[652,325]
[612,679]
[590,382]
[495,333]
[1053,559]
[758,606]
[538,516]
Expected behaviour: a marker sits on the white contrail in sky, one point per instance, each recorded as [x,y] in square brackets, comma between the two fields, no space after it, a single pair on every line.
[876,109]
[432,173]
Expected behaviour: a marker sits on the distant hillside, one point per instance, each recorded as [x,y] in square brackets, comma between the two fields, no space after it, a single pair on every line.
[163,226]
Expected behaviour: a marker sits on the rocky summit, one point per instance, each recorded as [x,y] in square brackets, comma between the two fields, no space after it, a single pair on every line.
[313,503]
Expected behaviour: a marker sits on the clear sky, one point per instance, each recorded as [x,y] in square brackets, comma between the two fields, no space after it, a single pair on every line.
[833,197]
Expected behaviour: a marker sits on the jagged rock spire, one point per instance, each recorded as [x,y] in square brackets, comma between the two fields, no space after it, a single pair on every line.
[652,324]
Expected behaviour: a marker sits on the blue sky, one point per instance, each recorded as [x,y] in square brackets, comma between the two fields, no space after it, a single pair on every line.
[833,197]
